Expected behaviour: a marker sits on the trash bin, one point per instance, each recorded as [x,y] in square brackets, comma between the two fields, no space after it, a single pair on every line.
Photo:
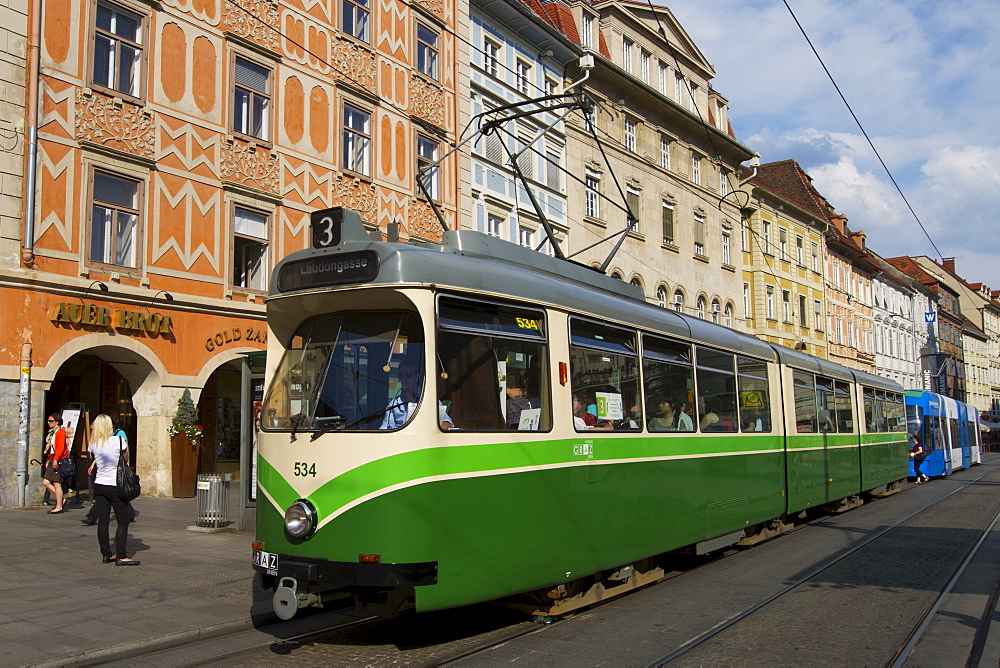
[213,499]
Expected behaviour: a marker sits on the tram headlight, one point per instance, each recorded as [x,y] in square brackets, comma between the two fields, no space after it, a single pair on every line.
[300,519]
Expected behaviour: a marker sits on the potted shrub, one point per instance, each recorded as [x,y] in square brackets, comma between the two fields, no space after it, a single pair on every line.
[185,441]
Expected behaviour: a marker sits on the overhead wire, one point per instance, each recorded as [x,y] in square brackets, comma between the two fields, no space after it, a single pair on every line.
[862,128]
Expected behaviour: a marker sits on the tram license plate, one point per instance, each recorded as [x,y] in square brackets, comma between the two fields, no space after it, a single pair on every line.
[266,561]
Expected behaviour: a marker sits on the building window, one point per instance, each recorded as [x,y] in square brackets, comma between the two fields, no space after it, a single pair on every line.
[249,249]
[661,297]
[494,226]
[526,237]
[357,139]
[663,79]
[800,250]
[667,216]
[803,316]
[118,49]
[525,154]
[719,108]
[696,169]
[644,66]
[726,253]
[786,305]
[723,183]
[728,319]
[716,309]
[630,135]
[627,54]
[522,76]
[664,153]
[783,243]
[744,235]
[634,206]
[701,308]
[491,57]
[693,97]
[553,165]
[427,155]
[587,38]
[770,302]
[251,100]
[699,234]
[427,51]
[766,241]
[746,300]
[815,257]
[678,301]
[593,188]
[679,88]
[355,20]
[114,224]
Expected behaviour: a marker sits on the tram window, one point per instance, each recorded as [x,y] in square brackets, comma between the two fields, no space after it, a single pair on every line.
[755,402]
[332,376]
[805,401]
[895,412]
[842,404]
[716,391]
[869,399]
[881,421]
[668,384]
[604,372]
[492,365]
[932,433]
[826,412]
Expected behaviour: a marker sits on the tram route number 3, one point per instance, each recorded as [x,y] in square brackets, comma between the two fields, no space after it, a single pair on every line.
[303,469]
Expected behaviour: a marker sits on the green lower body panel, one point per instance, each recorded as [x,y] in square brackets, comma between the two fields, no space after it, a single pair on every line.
[500,534]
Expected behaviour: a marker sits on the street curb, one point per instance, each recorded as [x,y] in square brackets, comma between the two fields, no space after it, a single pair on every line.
[148,645]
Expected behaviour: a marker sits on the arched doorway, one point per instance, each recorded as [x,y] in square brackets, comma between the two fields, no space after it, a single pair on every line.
[96,386]
[219,409]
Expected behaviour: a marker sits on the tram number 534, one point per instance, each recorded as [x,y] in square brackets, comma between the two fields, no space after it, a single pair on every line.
[303,469]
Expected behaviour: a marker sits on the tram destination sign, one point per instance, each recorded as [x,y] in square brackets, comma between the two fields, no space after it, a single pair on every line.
[326,271]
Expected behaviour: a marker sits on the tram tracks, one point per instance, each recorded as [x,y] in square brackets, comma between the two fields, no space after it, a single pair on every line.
[918,629]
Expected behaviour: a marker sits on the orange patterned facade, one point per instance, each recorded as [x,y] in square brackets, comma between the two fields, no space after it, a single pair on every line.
[222,124]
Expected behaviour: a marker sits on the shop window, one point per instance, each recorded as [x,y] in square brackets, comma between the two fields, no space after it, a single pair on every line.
[492,366]
[114,221]
[604,373]
[250,235]
[118,51]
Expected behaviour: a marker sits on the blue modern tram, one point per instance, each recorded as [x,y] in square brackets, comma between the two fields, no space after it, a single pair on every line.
[948,430]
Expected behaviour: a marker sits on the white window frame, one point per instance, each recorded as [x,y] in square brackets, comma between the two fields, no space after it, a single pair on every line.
[356,138]
[428,51]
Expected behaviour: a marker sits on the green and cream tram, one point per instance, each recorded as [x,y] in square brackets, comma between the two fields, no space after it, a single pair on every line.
[467,421]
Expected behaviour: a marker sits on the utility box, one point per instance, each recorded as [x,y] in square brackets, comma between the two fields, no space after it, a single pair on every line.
[213,499]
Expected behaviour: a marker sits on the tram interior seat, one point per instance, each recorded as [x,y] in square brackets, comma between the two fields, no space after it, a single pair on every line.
[471,387]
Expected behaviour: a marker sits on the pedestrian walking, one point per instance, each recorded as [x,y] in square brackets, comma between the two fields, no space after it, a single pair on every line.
[91,518]
[917,455]
[55,451]
[107,449]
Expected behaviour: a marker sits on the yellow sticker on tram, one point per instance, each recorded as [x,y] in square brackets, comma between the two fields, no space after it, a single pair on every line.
[753,399]
[527,323]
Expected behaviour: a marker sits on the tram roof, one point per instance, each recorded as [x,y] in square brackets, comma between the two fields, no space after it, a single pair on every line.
[470,260]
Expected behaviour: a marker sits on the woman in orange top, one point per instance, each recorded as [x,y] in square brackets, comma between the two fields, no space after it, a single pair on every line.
[55,450]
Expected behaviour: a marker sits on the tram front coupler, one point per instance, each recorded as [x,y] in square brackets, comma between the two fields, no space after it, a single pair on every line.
[288,599]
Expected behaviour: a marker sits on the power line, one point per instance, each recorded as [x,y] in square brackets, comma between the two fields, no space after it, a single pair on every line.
[862,128]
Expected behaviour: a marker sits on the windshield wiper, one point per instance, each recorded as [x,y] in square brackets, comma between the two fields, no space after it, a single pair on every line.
[337,422]
[376,414]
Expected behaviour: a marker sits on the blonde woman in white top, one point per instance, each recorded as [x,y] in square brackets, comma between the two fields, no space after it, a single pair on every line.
[106,450]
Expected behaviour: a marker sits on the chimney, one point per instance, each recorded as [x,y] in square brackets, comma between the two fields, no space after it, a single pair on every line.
[949,264]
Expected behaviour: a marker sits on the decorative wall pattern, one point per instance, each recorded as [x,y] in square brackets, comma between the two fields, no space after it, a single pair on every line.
[253,20]
[427,101]
[249,166]
[115,124]
[352,63]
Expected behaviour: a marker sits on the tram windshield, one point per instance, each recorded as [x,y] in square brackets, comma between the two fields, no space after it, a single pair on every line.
[340,371]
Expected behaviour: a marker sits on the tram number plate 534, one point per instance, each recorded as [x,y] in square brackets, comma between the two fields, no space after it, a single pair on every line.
[266,560]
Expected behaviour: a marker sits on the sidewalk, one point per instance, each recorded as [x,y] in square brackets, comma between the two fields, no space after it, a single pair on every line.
[61,605]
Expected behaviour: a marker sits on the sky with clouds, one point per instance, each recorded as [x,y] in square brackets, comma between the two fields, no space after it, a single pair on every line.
[923,79]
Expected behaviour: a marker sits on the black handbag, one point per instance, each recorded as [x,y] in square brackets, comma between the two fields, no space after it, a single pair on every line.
[128,481]
[66,468]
